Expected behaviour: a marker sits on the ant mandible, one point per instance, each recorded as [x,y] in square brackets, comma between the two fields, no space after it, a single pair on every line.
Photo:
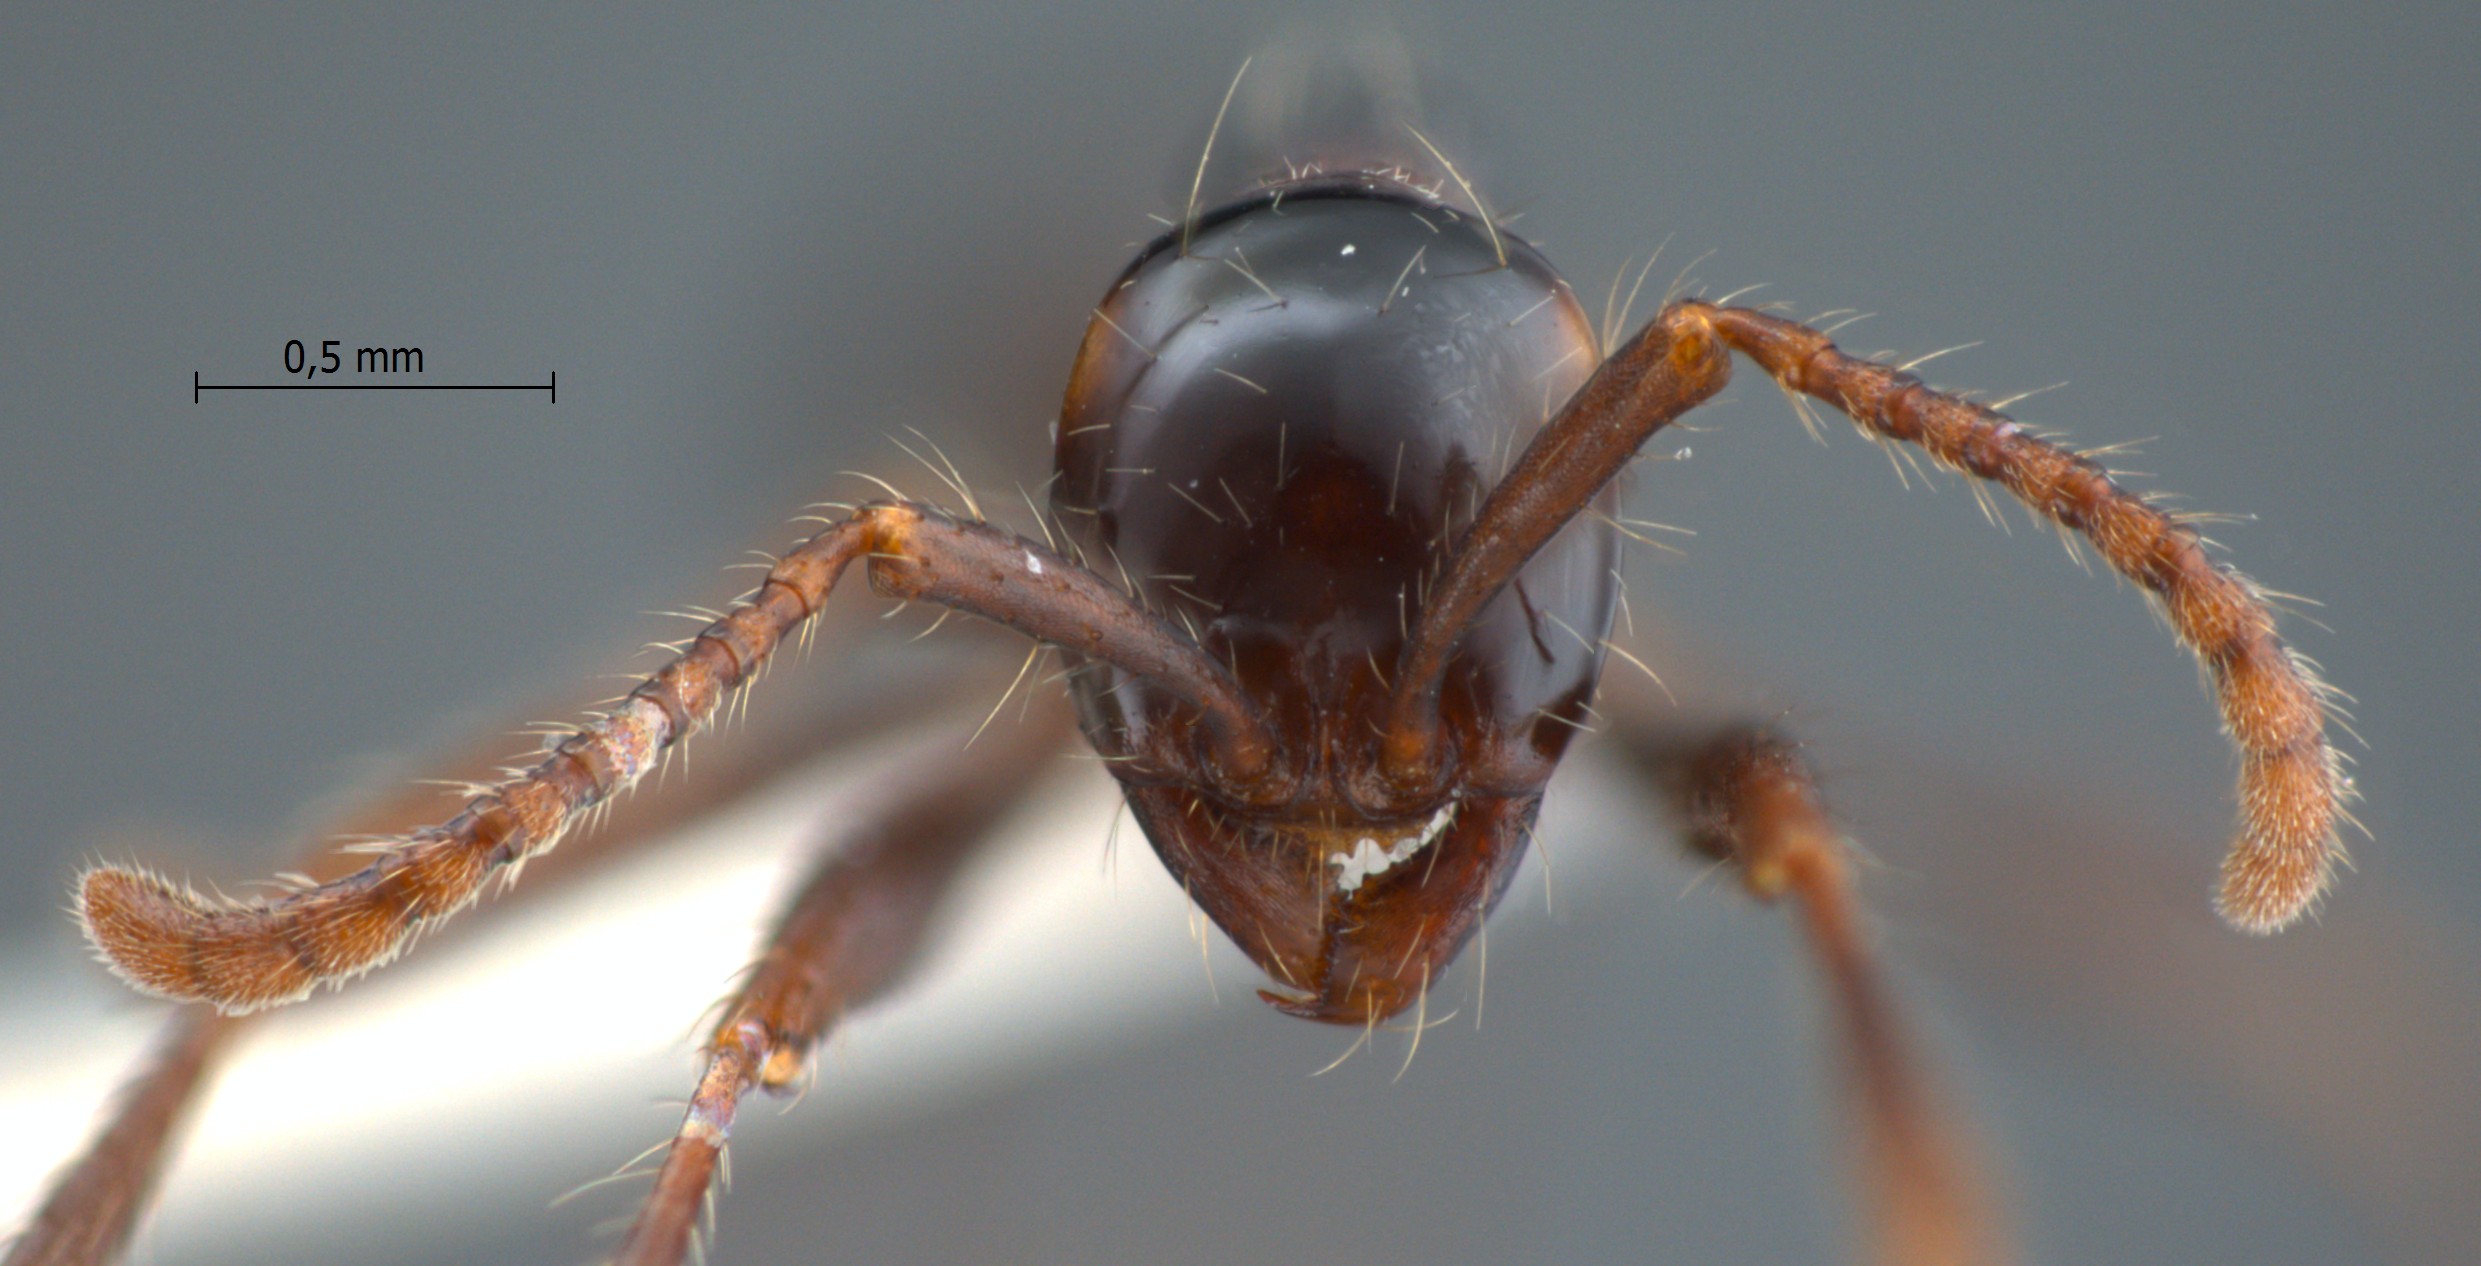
[1332,555]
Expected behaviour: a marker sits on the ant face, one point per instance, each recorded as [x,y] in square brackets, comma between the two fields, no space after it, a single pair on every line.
[1281,421]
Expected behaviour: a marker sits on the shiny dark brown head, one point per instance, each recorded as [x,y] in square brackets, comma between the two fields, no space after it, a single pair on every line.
[1278,435]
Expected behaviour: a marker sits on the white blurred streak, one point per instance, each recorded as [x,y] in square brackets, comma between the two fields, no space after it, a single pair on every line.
[490,1054]
[468,1076]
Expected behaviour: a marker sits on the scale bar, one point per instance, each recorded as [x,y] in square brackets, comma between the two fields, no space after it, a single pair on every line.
[197,388]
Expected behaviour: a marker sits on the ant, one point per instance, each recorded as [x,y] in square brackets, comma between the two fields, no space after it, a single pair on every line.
[1331,554]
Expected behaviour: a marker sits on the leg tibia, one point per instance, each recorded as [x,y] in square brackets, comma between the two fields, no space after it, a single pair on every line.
[845,937]
[95,1205]
[1748,801]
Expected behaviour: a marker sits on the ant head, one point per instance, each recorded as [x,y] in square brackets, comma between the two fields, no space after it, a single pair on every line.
[1282,421]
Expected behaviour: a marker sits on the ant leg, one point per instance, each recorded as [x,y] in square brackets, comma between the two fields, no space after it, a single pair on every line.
[842,941]
[2293,790]
[98,1200]
[95,1204]
[246,955]
[1749,800]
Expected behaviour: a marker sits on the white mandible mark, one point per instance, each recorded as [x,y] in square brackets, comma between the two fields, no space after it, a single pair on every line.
[1368,859]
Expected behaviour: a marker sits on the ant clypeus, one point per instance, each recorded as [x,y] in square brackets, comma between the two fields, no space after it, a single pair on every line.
[1331,554]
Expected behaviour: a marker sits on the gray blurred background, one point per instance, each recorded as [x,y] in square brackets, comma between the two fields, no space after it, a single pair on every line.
[752,245]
